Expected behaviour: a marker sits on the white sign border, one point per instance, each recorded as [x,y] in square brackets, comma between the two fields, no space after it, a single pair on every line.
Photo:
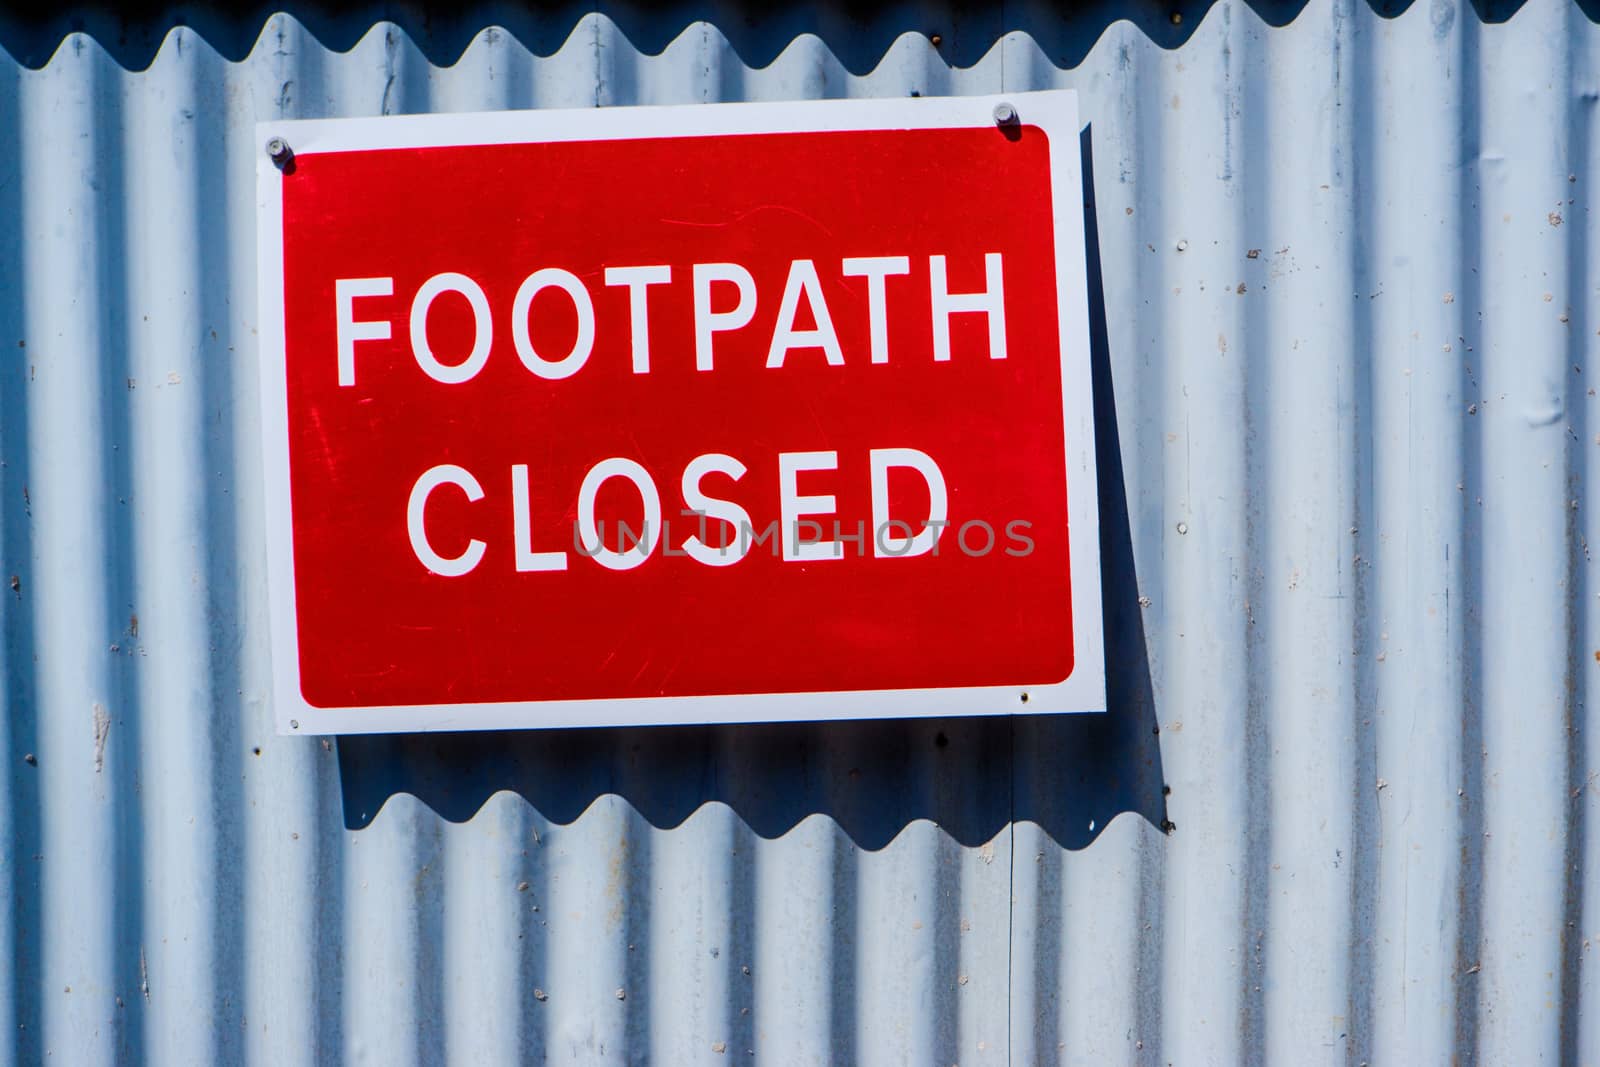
[1054,112]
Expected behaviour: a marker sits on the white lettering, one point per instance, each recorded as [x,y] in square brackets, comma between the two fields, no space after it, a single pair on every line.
[992,302]
[345,293]
[444,474]
[638,280]
[708,322]
[792,506]
[588,532]
[875,269]
[522,528]
[483,328]
[713,508]
[892,544]
[582,345]
[803,279]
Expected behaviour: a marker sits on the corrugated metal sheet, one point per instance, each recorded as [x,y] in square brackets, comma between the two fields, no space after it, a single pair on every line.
[1346,306]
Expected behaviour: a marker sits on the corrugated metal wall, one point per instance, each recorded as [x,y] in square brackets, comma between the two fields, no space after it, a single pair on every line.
[1346,304]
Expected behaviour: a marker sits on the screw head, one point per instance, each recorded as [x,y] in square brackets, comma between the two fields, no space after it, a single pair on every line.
[1005,114]
[278,151]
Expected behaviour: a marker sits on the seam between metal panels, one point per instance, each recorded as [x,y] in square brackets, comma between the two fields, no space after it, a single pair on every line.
[1011,890]
[1579,141]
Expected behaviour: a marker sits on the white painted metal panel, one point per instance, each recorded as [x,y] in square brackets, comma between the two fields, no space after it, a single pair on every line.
[1346,310]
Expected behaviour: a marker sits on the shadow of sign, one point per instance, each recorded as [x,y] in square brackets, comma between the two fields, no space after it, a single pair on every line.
[1070,774]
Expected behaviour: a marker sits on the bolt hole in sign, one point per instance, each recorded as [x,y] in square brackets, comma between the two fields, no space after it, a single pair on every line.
[699,414]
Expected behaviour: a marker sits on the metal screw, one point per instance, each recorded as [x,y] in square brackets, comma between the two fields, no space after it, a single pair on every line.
[1004,114]
[1183,527]
[279,152]
[294,724]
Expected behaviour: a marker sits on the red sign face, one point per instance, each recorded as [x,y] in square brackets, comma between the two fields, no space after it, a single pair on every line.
[779,416]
